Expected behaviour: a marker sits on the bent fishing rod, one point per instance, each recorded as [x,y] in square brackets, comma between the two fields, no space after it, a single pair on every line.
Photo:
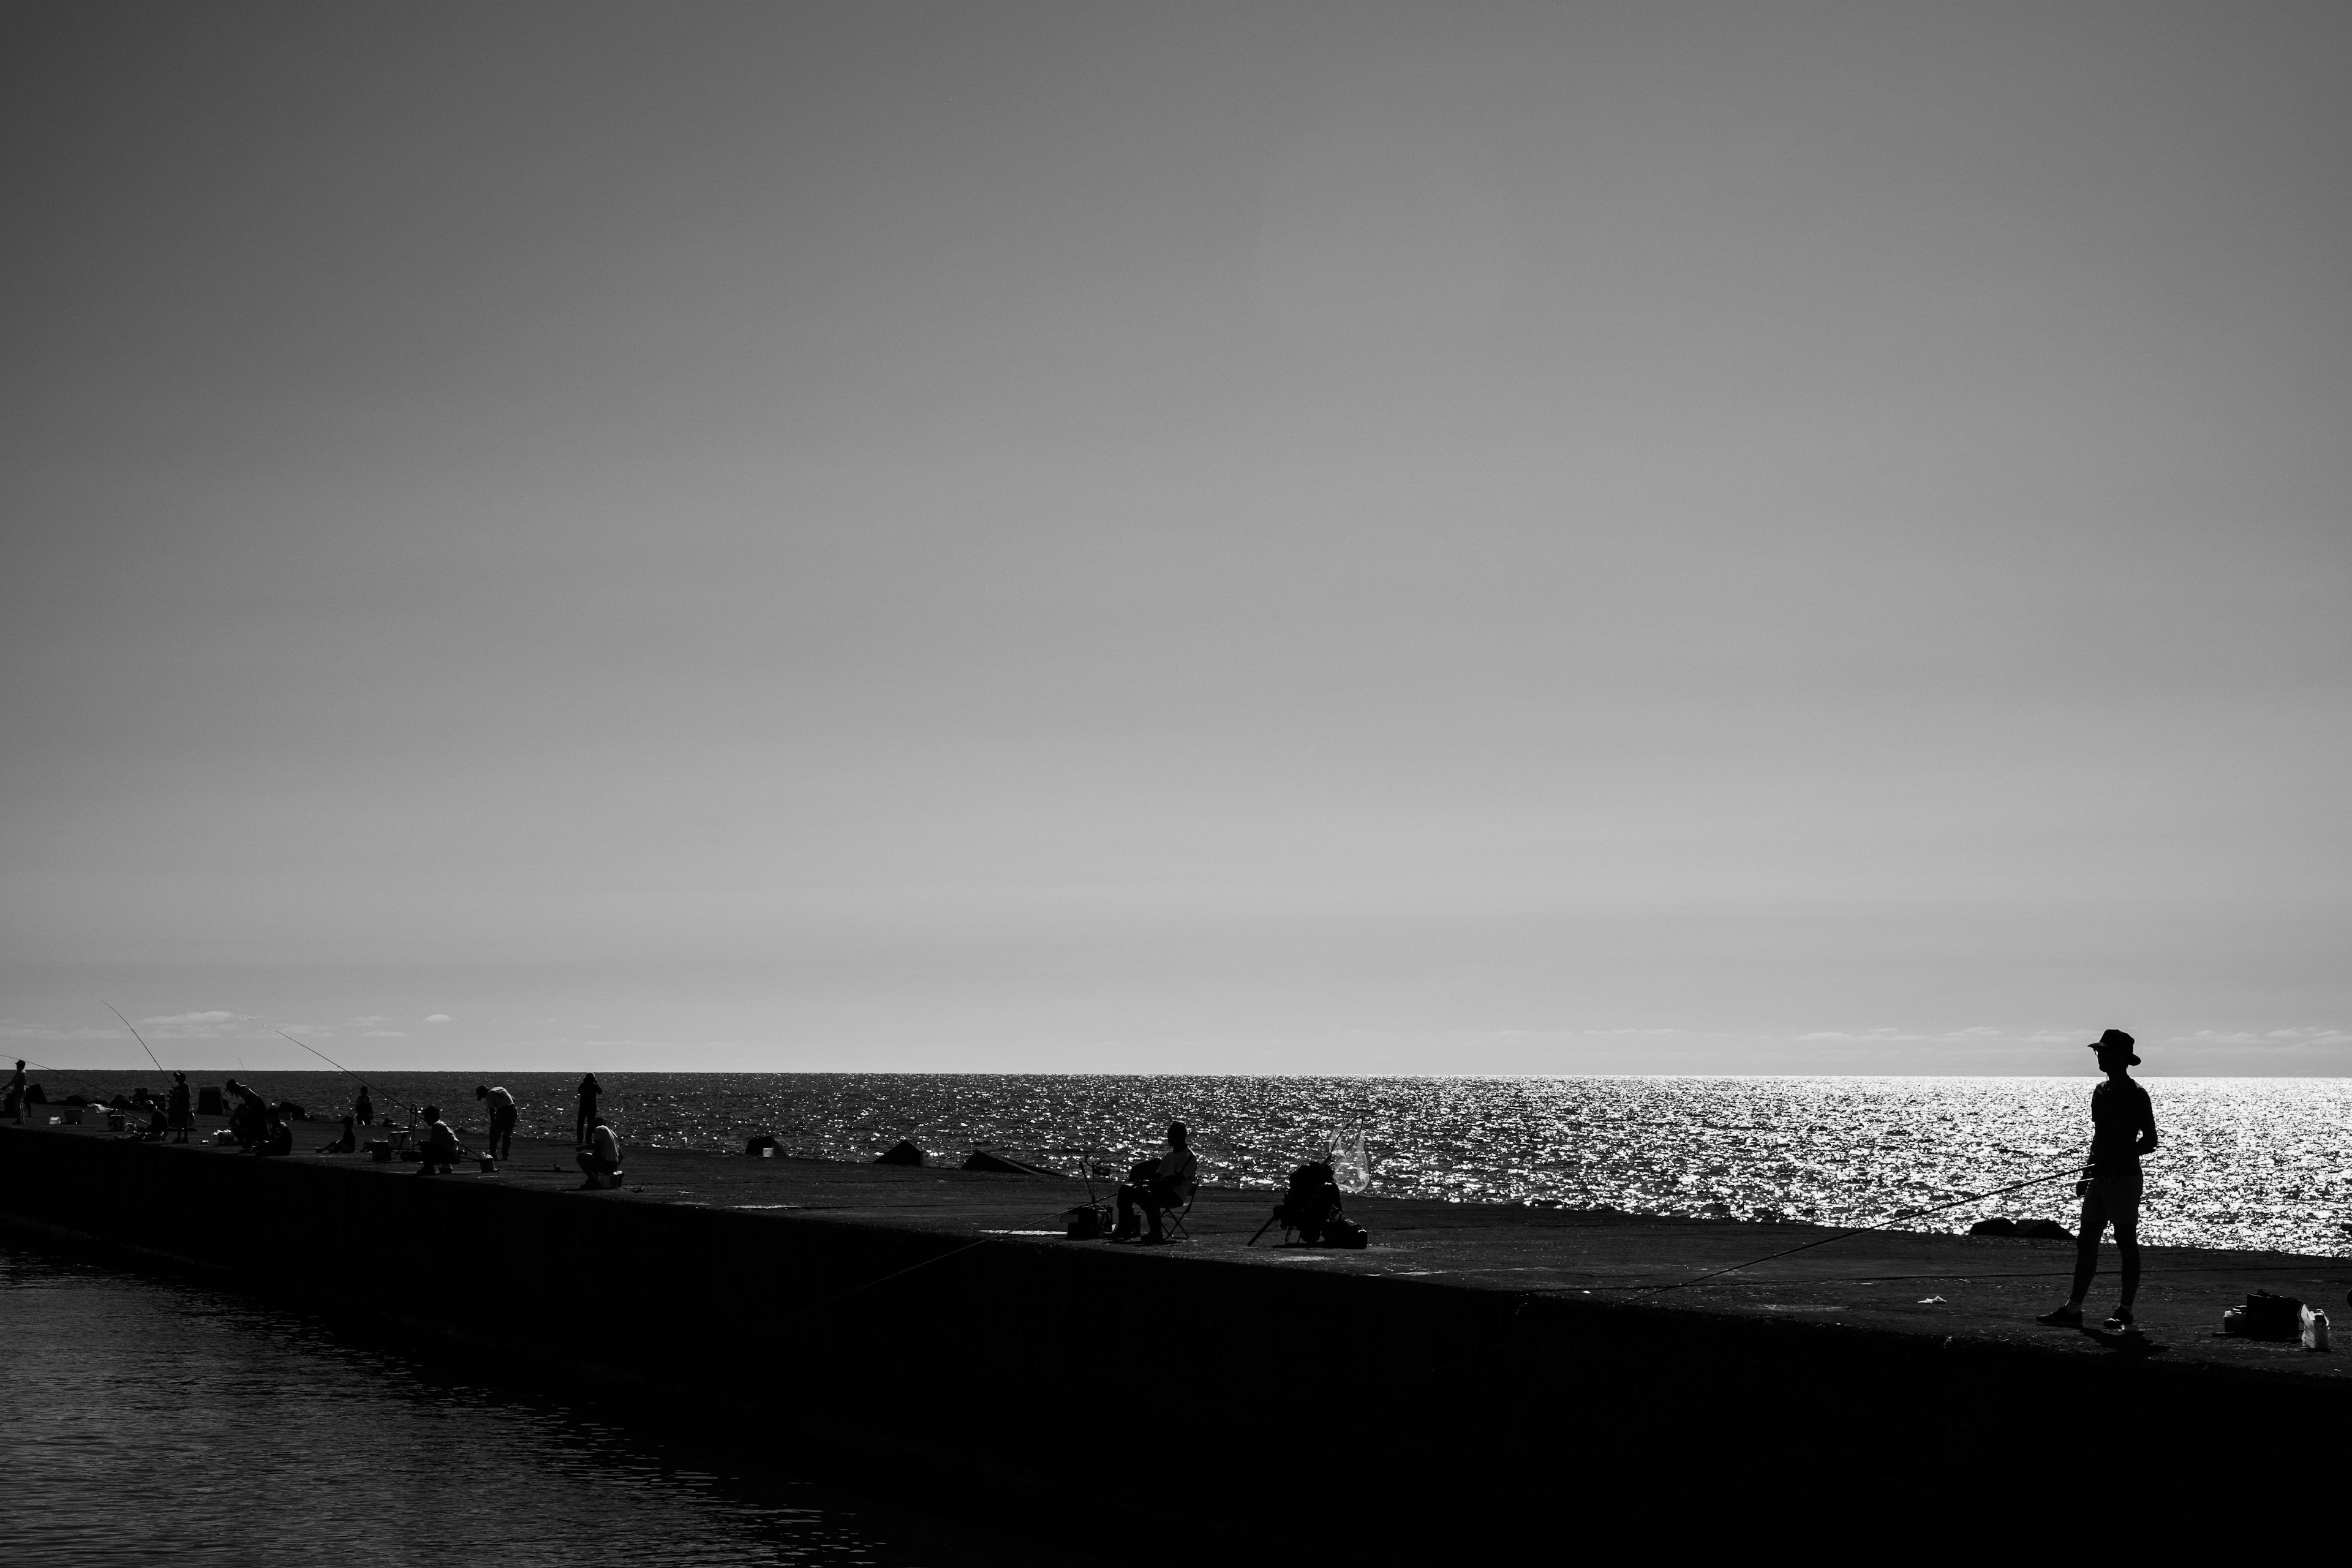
[2073,1169]
[347,1072]
[136,1036]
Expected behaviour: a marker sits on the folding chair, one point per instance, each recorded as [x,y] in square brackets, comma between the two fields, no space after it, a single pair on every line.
[1172,1218]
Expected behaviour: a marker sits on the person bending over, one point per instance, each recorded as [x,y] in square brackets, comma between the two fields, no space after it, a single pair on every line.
[441,1152]
[2123,1128]
[601,1159]
[248,1122]
[502,1120]
[1154,1185]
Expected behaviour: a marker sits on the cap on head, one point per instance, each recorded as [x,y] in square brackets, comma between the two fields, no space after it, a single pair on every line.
[481,1091]
[2115,1042]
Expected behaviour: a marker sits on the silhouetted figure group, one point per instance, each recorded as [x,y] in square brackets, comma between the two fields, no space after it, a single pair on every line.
[258,1126]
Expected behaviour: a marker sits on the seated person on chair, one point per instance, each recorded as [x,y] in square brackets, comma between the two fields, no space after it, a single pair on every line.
[1156,1184]
[441,1152]
[600,1158]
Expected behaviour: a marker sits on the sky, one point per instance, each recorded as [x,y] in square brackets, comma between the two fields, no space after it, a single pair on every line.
[1464,538]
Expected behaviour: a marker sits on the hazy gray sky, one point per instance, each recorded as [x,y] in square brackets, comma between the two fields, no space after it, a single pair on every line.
[1760,537]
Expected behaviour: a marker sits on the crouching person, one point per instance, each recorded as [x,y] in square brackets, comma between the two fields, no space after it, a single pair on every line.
[600,1157]
[441,1152]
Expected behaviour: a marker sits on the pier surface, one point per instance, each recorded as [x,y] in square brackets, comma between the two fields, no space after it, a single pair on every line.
[1987,1289]
[940,1318]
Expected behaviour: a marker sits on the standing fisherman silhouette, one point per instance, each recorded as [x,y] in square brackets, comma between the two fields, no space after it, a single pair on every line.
[179,1118]
[16,1093]
[2123,1128]
[589,1091]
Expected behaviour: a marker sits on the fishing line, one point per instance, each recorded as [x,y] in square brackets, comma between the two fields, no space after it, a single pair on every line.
[135,1035]
[69,1076]
[869,1285]
[2070,1170]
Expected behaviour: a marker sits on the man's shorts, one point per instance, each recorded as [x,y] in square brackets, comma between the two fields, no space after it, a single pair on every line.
[2112,1200]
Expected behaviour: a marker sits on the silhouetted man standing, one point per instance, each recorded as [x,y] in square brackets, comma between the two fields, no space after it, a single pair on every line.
[16,1094]
[2123,1128]
[178,1116]
[590,1092]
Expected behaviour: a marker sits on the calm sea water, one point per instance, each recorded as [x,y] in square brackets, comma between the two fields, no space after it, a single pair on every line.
[149,1420]
[2257,1162]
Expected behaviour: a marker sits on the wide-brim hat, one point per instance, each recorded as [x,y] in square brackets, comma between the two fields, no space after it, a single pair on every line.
[2116,1040]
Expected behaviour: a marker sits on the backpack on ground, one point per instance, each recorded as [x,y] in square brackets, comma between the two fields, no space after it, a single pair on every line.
[1311,1202]
[2268,1317]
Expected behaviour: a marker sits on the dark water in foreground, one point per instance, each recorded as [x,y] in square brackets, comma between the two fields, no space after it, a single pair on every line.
[147,1419]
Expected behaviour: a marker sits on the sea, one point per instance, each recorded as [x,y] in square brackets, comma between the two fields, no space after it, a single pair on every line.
[2245,1163]
[152,1419]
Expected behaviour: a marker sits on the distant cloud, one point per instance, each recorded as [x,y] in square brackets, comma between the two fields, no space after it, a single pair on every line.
[2273,1040]
[19,1029]
[437,1017]
[1974,1034]
[1868,1036]
[369,1022]
[387,1034]
[212,1026]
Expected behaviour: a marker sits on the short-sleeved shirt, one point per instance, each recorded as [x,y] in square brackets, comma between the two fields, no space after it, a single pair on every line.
[1176,1168]
[499,1099]
[2119,1113]
[607,1145]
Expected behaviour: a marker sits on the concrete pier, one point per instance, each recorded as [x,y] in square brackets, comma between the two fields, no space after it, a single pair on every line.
[1474,1372]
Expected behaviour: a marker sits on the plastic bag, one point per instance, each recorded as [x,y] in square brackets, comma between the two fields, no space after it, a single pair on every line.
[1352,1164]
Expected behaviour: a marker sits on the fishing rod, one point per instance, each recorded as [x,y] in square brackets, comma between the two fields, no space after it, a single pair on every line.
[2072,1169]
[136,1036]
[347,1072]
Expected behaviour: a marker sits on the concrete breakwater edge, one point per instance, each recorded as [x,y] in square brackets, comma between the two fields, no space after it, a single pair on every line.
[1482,1373]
